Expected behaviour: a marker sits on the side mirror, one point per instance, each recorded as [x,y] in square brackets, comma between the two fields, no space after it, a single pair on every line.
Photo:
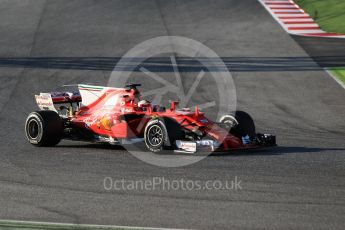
[196,111]
[173,105]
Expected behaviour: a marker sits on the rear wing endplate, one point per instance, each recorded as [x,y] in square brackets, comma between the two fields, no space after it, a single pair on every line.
[45,102]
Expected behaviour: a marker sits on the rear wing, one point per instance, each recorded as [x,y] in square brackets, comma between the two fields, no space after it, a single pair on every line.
[85,95]
[46,101]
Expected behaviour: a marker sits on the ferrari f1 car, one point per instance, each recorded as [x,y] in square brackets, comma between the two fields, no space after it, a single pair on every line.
[121,116]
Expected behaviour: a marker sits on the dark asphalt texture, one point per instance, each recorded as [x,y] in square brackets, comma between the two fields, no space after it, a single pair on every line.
[326,52]
[298,185]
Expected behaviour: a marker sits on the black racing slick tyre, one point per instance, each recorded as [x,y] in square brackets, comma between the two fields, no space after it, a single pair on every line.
[161,134]
[242,124]
[44,128]
[155,135]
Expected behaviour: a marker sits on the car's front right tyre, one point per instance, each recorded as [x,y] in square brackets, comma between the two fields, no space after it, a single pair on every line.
[240,124]
[44,128]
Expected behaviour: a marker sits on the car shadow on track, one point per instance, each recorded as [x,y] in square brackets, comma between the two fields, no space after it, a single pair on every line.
[279,150]
[91,146]
[272,151]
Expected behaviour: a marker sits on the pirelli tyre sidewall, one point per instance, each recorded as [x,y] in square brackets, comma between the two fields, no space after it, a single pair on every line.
[153,126]
[43,128]
[240,124]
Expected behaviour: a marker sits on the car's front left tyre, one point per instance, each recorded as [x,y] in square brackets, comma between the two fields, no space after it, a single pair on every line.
[155,135]
[161,134]
[44,128]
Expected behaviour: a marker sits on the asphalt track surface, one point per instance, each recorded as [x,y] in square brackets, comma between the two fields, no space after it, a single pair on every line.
[298,185]
[326,53]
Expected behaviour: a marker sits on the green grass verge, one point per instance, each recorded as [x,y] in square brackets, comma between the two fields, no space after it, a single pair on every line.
[339,73]
[329,14]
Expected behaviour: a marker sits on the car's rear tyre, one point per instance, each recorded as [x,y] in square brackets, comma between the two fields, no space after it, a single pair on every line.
[44,128]
[241,124]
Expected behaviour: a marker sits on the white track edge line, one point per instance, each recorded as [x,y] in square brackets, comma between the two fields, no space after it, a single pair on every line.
[334,77]
[84,225]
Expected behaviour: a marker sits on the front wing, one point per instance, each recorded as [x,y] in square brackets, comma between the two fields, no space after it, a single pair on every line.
[254,142]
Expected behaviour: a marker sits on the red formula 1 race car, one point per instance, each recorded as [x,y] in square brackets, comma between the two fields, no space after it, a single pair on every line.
[121,116]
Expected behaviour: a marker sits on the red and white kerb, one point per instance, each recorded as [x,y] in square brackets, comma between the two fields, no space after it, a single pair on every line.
[294,19]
